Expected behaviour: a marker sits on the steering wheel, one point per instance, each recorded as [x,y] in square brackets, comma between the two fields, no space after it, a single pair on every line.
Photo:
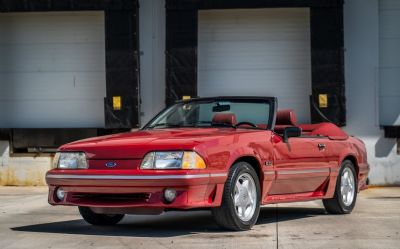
[246,123]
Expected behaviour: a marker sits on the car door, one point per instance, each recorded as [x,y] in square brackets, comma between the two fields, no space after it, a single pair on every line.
[300,165]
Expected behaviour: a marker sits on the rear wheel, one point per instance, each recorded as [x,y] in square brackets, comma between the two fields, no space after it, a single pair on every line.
[99,219]
[345,196]
[240,205]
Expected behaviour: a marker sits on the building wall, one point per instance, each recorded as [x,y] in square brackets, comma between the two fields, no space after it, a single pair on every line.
[361,24]
[31,169]
[361,34]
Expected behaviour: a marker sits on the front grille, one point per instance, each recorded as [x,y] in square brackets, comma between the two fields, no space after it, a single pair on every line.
[109,198]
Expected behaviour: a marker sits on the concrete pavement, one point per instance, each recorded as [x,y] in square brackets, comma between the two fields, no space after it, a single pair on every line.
[27,221]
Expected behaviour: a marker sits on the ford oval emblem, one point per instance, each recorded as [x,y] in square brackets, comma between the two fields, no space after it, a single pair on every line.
[111,164]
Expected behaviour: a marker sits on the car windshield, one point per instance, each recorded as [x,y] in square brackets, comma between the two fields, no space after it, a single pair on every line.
[214,113]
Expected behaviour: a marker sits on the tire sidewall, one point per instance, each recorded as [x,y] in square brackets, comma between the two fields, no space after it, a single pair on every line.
[236,170]
[349,165]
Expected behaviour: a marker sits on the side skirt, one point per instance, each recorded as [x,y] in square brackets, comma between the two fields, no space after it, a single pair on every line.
[309,196]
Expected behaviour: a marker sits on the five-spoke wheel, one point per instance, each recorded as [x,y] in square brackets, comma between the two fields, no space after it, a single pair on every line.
[347,187]
[345,195]
[241,199]
[245,196]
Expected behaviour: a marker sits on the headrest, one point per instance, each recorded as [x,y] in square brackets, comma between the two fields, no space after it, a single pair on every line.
[286,117]
[225,118]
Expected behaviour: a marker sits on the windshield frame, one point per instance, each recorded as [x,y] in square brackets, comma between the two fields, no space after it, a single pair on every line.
[272,101]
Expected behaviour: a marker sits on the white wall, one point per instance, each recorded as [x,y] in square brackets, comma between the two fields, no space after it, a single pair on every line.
[152,59]
[361,34]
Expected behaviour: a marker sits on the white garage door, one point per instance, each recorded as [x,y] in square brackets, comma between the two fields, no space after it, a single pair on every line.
[389,60]
[256,52]
[52,70]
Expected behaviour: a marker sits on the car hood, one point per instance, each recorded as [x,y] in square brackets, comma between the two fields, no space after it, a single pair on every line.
[134,145]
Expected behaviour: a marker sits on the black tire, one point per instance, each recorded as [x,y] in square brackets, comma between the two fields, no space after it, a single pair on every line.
[336,205]
[225,215]
[99,219]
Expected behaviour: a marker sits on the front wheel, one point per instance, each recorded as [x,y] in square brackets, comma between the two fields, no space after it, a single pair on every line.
[99,219]
[345,195]
[240,205]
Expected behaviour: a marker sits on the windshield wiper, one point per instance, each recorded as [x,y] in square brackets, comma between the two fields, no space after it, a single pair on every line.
[166,125]
[195,124]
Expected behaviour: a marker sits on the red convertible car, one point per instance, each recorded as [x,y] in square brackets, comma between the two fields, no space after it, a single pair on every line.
[227,154]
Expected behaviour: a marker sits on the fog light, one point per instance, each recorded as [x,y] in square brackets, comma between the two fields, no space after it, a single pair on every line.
[60,193]
[169,195]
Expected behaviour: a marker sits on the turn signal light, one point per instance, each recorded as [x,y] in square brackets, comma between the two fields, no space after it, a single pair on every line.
[191,160]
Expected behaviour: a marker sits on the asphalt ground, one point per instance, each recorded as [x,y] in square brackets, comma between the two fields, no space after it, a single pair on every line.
[27,221]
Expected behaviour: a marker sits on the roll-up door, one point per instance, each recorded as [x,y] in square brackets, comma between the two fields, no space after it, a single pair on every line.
[52,70]
[256,52]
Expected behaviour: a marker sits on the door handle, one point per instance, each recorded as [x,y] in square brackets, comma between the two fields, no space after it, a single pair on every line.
[321,146]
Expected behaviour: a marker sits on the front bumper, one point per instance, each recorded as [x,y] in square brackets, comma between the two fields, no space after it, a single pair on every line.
[129,189]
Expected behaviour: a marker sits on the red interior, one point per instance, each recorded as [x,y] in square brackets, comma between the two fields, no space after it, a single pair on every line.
[287,117]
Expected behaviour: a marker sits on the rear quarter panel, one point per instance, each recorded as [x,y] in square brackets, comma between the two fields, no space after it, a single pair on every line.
[351,148]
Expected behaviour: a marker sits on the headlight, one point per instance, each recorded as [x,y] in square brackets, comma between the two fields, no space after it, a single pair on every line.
[70,160]
[173,160]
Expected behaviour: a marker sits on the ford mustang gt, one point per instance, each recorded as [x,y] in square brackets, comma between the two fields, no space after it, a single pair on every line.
[227,154]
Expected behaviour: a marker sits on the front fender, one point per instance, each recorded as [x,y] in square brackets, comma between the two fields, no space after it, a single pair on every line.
[223,153]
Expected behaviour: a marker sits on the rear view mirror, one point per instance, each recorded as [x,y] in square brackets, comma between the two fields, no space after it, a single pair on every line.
[291,131]
[221,108]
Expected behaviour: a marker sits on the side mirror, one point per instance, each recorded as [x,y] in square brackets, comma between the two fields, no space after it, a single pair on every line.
[291,131]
